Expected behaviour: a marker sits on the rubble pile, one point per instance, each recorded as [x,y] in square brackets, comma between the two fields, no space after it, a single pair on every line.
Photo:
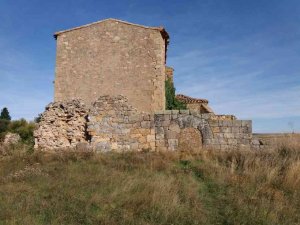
[62,125]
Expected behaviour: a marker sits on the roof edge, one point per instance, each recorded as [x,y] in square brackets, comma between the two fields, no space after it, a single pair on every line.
[161,29]
[188,99]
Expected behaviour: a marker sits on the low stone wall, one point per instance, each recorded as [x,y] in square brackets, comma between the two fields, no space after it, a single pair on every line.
[111,124]
[172,129]
[231,134]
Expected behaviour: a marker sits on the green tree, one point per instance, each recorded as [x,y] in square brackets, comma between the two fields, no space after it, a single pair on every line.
[5,114]
[171,101]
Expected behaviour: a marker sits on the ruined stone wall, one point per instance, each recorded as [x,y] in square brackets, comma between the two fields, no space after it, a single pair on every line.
[230,134]
[171,126]
[170,129]
[62,125]
[111,124]
[112,58]
[115,125]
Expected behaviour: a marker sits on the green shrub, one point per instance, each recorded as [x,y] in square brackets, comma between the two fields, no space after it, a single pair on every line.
[171,101]
[24,129]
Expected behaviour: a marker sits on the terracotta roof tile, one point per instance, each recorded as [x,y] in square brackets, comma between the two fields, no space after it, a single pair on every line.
[187,99]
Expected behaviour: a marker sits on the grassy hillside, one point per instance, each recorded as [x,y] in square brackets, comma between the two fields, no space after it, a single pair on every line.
[208,187]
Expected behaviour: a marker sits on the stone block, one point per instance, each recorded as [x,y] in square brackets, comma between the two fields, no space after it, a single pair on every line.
[171,134]
[144,131]
[172,144]
[145,124]
[174,127]
[195,113]
[133,118]
[162,149]
[236,123]
[142,139]
[225,129]
[167,117]
[165,123]
[213,123]
[160,112]
[167,112]
[150,138]
[215,141]
[184,111]
[206,116]
[219,135]
[174,116]
[215,130]
[227,123]
[152,146]
[146,117]
[235,129]
[160,143]
[229,135]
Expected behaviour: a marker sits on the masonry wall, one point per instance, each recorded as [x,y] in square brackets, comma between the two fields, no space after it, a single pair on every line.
[112,58]
[112,124]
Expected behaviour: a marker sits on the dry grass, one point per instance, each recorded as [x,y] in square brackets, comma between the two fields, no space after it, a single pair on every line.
[206,187]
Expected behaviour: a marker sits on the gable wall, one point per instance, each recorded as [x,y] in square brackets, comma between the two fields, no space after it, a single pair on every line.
[112,58]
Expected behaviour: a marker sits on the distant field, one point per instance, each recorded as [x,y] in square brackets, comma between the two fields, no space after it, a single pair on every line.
[275,139]
[207,187]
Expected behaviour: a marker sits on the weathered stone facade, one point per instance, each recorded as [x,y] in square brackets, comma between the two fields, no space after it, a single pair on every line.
[116,125]
[112,57]
[112,124]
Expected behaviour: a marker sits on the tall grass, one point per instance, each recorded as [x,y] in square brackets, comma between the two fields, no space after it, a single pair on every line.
[204,187]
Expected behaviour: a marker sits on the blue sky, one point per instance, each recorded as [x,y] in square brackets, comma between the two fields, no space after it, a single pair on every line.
[242,55]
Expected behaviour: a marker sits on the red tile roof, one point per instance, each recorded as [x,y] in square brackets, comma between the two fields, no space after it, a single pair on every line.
[187,99]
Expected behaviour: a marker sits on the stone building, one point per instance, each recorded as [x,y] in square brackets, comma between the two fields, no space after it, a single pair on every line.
[110,96]
[195,104]
[112,57]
